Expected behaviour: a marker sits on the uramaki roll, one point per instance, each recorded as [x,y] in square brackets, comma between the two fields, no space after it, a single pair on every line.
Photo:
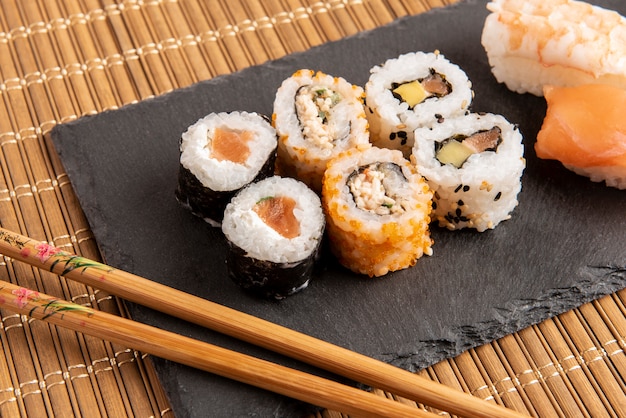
[377,210]
[316,117]
[411,91]
[474,166]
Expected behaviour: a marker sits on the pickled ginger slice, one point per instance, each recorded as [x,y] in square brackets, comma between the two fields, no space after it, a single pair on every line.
[585,129]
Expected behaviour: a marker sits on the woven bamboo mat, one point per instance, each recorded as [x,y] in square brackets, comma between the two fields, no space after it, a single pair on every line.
[62,59]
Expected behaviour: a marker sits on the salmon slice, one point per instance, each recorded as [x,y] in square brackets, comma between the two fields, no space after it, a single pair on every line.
[277,213]
[227,145]
[584,126]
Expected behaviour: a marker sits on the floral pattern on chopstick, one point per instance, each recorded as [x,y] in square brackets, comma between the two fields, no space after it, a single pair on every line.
[13,240]
[50,306]
[45,252]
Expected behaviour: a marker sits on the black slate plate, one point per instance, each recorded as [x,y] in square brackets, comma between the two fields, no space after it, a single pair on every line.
[564,245]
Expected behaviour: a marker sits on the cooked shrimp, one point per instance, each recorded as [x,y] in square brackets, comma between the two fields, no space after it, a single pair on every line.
[532,43]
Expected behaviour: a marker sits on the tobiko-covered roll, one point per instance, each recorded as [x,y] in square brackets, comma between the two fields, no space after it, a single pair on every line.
[377,211]
[413,90]
[316,116]
[473,164]
[220,154]
[274,228]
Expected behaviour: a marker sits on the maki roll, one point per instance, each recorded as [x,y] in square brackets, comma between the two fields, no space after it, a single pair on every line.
[377,209]
[316,116]
[413,90]
[473,165]
[274,229]
[220,154]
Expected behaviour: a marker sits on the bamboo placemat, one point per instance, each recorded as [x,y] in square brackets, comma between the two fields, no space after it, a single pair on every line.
[62,59]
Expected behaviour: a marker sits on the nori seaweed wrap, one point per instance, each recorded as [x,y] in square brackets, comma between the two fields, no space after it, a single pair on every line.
[220,154]
[274,228]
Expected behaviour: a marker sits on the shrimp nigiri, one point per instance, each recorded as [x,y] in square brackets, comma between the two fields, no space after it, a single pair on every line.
[532,43]
[585,129]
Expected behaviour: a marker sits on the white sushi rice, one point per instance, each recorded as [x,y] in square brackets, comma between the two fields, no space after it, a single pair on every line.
[226,175]
[532,43]
[483,191]
[613,176]
[391,121]
[243,227]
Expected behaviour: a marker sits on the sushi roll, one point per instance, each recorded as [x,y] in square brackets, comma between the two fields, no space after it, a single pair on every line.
[219,154]
[274,229]
[532,43]
[411,91]
[316,116]
[473,164]
[377,211]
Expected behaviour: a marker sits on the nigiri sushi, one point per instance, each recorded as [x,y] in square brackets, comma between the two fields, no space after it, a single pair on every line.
[585,129]
[532,43]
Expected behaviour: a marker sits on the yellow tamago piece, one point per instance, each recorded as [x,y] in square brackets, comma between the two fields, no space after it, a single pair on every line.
[412,93]
[454,152]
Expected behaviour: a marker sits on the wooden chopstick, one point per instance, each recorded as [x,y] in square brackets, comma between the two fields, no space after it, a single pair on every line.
[249,328]
[204,356]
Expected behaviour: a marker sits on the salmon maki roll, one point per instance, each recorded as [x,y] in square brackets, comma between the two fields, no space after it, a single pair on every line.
[220,154]
[316,116]
[585,129]
[377,209]
[274,229]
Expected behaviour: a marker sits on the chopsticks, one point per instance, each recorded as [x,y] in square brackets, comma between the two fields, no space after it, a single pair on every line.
[267,375]
[246,327]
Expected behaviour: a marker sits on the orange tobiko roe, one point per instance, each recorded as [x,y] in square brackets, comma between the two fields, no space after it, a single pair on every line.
[585,126]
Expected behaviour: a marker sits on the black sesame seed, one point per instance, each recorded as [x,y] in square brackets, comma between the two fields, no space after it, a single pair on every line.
[402,134]
[403,142]
[464,219]
[458,188]
[498,196]
[460,203]
[392,136]
[434,205]
[466,188]
[459,212]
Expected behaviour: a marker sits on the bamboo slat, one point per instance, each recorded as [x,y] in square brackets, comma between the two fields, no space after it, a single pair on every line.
[64,59]
[307,25]
[290,37]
